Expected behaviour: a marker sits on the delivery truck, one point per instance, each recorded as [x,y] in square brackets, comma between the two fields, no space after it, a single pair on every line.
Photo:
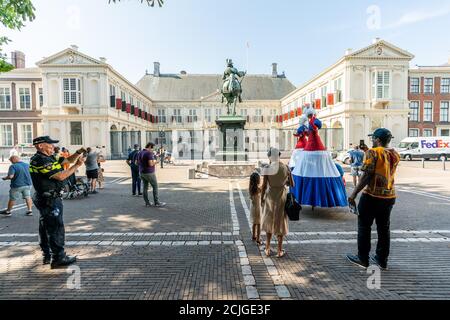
[424,148]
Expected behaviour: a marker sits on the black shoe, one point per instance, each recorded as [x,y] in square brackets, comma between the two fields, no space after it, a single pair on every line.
[65,261]
[46,260]
[378,262]
[29,213]
[5,213]
[94,192]
[356,260]
[140,194]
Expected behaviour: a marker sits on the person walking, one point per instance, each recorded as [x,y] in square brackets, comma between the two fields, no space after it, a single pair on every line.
[92,169]
[147,165]
[255,207]
[273,198]
[356,162]
[377,200]
[48,176]
[162,154]
[101,178]
[19,174]
[132,161]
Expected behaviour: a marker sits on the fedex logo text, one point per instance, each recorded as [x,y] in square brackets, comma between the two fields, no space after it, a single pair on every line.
[435,145]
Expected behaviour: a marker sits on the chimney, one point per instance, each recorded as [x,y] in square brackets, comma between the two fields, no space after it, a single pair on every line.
[74,47]
[348,51]
[18,59]
[274,70]
[103,59]
[156,71]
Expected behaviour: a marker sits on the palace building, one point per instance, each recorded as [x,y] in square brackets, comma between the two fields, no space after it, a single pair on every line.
[84,101]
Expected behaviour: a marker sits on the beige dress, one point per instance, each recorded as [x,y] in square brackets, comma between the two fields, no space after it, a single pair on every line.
[255,208]
[274,219]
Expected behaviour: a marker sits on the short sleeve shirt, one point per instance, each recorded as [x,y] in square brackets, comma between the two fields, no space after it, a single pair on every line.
[381,164]
[42,168]
[144,157]
[21,175]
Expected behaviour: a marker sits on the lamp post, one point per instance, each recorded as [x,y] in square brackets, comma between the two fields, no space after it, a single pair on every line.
[161,135]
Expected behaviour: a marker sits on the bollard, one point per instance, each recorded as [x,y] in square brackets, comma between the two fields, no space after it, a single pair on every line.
[423,163]
[443,163]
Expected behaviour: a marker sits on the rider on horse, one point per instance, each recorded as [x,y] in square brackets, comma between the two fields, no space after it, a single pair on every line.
[231,87]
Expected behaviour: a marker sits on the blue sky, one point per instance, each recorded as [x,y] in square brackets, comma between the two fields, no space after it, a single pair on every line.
[303,37]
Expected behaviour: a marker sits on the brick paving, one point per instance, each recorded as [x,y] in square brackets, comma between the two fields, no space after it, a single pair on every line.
[199,247]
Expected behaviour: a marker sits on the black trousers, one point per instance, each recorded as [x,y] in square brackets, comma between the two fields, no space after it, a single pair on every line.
[51,226]
[370,209]
[135,179]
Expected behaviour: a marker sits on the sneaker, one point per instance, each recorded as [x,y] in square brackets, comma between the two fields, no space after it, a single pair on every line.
[140,194]
[94,192]
[357,261]
[148,204]
[63,262]
[5,213]
[379,263]
[29,213]
[46,260]
[160,204]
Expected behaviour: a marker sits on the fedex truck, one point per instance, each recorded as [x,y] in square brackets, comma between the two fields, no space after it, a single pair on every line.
[425,147]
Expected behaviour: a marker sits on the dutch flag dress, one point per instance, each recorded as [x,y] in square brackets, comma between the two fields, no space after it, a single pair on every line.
[318,182]
[301,144]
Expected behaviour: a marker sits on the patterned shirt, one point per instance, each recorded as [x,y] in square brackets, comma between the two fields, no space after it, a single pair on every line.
[381,165]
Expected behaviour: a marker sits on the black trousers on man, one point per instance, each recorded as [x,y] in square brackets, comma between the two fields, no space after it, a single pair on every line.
[370,209]
[51,226]
[135,179]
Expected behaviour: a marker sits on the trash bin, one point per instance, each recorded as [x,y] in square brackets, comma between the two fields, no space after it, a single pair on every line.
[191,173]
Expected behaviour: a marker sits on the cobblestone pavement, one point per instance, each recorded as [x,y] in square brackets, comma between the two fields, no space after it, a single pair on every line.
[199,247]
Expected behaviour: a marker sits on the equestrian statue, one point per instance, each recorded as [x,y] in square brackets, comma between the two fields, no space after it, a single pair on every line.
[231,86]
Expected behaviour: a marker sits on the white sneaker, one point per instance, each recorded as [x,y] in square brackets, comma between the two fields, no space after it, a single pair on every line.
[160,204]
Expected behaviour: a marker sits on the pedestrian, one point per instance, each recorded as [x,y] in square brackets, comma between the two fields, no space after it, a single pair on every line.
[132,161]
[273,199]
[377,200]
[65,154]
[19,174]
[147,165]
[101,178]
[255,207]
[341,172]
[356,162]
[162,154]
[92,169]
[48,178]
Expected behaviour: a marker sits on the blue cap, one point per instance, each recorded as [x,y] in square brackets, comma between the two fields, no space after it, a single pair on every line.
[382,133]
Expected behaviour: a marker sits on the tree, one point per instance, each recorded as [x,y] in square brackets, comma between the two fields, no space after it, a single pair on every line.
[151,3]
[13,14]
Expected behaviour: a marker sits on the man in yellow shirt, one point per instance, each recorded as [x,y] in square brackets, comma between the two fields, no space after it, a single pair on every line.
[377,200]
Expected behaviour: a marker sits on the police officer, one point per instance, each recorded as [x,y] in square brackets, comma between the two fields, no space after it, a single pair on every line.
[48,178]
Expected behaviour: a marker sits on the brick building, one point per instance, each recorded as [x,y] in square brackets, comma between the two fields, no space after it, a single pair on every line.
[429,96]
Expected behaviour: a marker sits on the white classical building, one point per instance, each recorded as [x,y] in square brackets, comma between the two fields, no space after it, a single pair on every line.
[86,101]
[364,90]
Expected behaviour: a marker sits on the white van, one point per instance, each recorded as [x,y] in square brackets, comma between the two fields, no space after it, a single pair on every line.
[424,147]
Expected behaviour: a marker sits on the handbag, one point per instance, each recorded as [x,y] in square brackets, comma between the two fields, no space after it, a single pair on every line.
[292,208]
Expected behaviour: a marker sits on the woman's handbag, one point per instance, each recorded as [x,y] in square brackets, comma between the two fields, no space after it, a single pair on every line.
[292,208]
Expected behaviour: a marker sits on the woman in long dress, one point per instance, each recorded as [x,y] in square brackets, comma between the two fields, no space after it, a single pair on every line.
[273,197]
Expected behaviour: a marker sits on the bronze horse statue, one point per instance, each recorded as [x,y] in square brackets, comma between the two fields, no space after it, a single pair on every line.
[231,87]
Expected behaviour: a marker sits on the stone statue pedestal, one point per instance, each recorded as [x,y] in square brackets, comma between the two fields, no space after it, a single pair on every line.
[231,139]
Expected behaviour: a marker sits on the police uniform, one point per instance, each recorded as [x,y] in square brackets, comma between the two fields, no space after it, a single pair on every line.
[48,201]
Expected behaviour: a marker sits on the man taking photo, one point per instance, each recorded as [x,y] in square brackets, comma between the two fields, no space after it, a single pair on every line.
[377,200]
[48,177]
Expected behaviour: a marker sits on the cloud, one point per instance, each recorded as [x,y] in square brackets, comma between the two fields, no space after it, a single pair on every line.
[419,16]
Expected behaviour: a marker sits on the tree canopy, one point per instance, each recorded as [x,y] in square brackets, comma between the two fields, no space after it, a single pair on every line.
[13,15]
[151,3]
